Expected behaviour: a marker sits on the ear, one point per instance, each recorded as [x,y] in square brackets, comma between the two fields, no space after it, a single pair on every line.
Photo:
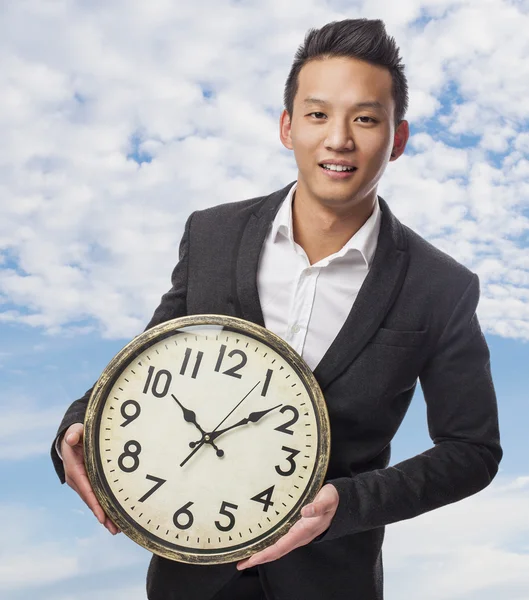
[400,139]
[285,127]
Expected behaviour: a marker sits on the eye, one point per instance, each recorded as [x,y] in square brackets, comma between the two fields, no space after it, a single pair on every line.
[316,113]
[366,119]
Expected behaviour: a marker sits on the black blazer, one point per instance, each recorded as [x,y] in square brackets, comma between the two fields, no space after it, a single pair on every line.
[414,318]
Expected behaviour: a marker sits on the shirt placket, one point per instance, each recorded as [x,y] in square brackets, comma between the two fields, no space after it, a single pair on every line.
[301,308]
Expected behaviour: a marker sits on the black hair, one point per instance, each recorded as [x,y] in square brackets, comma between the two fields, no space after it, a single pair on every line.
[363,39]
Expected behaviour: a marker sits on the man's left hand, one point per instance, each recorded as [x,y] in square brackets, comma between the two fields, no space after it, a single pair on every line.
[315,519]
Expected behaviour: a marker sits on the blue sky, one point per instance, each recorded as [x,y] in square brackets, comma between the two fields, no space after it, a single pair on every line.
[119,120]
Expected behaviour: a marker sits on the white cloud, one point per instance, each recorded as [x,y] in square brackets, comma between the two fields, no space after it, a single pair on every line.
[48,565]
[92,237]
[26,429]
[33,556]
[476,548]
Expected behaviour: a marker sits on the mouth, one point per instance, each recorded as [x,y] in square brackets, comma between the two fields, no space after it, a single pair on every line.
[337,171]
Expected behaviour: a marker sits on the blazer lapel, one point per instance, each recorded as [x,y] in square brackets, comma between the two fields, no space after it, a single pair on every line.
[375,298]
[250,247]
[377,294]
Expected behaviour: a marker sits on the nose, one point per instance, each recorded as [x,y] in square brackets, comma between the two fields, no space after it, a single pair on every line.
[339,136]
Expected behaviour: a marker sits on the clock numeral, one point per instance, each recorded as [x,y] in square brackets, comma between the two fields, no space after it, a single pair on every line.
[222,351]
[223,511]
[291,461]
[267,382]
[185,362]
[162,378]
[129,453]
[186,514]
[285,427]
[158,484]
[233,370]
[265,498]
[131,417]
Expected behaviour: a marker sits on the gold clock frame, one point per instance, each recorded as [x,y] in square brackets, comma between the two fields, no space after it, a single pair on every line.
[99,396]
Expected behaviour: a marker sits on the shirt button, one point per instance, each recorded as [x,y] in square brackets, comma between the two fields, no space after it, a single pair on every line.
[295,328]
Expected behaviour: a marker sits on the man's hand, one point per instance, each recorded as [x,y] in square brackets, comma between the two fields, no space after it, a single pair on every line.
[315,519]
[76,477]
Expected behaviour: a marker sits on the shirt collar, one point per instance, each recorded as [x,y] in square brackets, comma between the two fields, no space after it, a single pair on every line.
[364,240]
[282,223]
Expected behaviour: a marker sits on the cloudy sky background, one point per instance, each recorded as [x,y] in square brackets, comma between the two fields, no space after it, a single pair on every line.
[120,118]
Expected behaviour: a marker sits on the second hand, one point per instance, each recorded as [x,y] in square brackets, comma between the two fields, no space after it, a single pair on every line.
[204,440]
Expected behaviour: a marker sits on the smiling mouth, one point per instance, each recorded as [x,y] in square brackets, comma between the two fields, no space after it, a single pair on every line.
[338,169]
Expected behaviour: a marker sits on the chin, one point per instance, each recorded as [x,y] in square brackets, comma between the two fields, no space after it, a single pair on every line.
[340,196]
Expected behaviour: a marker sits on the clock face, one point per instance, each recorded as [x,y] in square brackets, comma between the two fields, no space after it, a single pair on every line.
[205,437]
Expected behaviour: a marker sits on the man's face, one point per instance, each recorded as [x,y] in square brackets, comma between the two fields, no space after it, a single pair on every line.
[343,113]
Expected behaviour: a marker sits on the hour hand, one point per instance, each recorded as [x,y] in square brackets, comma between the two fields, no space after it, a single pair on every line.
[189,415]
[251,418]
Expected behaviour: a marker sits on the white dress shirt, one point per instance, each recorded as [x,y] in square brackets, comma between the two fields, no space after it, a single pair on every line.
[306,304]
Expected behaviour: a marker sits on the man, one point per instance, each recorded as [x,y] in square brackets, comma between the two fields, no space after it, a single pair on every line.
[371,307]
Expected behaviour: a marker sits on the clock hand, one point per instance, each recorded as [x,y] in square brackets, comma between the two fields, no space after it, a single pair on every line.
[251,418]
[206,436]
[235,407]
[191,417]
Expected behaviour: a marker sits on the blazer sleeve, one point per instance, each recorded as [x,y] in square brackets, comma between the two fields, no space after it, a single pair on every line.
[463,425]
[172,305]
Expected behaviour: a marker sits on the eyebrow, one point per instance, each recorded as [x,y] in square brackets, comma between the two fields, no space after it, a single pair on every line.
[375,104]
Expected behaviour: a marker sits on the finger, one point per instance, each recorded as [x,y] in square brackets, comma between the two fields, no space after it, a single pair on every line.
[111,526]
[316,509]
[74,434]
[73,485]
[79,479]
[299,535]
[325,502]
[87,494]
[273,553]
[96,510]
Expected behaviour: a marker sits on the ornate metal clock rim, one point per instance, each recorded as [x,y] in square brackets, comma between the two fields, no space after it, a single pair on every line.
[132,350]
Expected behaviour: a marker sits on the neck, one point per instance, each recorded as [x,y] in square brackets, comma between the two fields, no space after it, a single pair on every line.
[322,230]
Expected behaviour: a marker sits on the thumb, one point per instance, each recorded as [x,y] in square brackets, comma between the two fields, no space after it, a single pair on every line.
[74,434]
[326,500]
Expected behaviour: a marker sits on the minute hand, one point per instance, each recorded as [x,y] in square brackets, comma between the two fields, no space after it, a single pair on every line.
[251,418]
[203,440]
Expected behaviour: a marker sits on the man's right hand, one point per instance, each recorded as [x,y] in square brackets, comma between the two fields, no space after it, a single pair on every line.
[75,472]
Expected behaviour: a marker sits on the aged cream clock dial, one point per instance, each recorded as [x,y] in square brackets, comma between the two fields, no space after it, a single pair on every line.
[204,438]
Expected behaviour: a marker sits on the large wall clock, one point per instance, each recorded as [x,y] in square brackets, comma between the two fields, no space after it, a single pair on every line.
[204,438]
